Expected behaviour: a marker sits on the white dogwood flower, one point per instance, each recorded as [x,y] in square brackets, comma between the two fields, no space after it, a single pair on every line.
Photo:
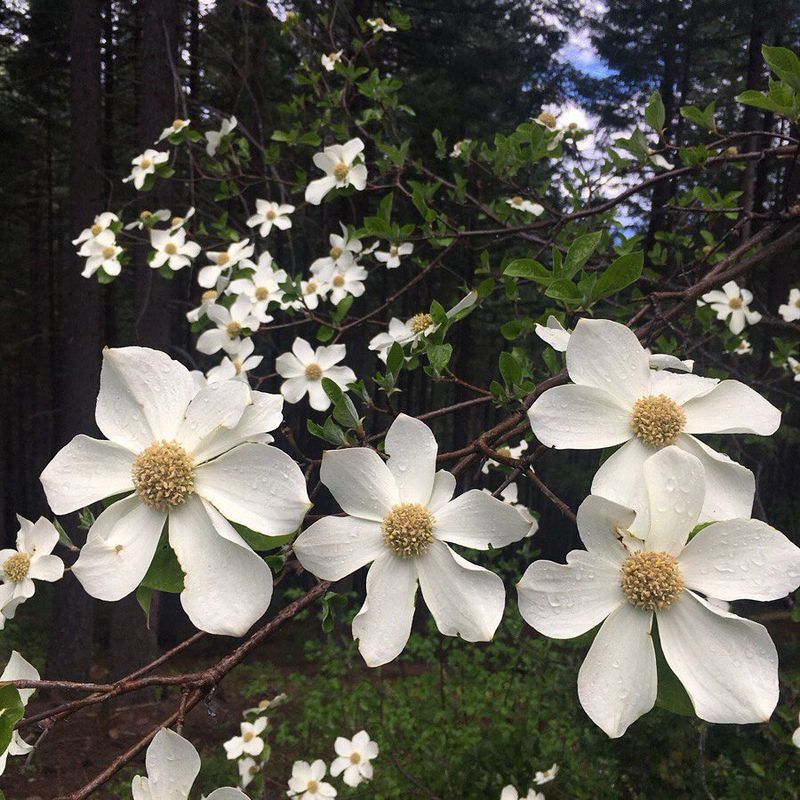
[189,454]
[172,765]
[508,452]
[616,398]
[231,325]
[214,138]
[744,348]
[177,126]
[248,769]
[304,368]
[208,298]
[540,778]
[330,60]
[510,496]
[790,311]
[519,203]
[794,366]
[103,253]
[147,219]
[346,280]
[314,290]
[458,147]
[223,261]
[249,742]
[399,332]
[18,669]
[341,168]
[733,302]
[145,165]
[306,781]
[510,793]
[269,214]
[178,221]
[343,253]
[380,24]
[172,249]
[354,757]
[402,518]
[262,287]
[796,734]
[101,223]
[728,665]
[32,560]
[236,365]
[392,256]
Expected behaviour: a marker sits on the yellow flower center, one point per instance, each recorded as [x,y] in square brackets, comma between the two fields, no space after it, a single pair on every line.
[735,302]
[16,567]
[263,704]
[248,737]
[170,249]
[145,215]
[163,475]
[355,758]
[313,372]
[223,258]
[797,302]
[341,171]
[408,530]
[420,322]
[145,163]
[109,252]
[97,229]
[270,215]
[548,119]
[336,252]
[312,787]
[233,329]
[253,770]
[176,221]
[657,420]
[210,296]
[379,23]
[262,293]
[178,124]
[517,200]
[311,287]
[393,250]
[652,581]
[505,452]
[338,281]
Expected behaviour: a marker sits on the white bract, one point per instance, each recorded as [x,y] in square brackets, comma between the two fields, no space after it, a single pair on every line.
[172,249]
[728,665]
[392,256]
[18,669]
[732,302]
[103,252]
[401,517]
[342,167]
[343,253]
[262,287]
[146,219]
[145,165]
[794,367]
[223,260]
[354,756]
[519,203]
[346,280]
[178,222]
[32,560]
[510,793]
[744,348]
[191,455]
[214,138]
[306,781]
[458,147]
[101,223]
[540,778]
[172,765]
[508,451]
[177,126]
[796,734]
[314,290]
[304,368]
[248,769]
[616,398]
[380,24]
[330,60]
[236,365]
[269,214]
[231,324]
[249,742]
[790,311]
[208,298]
[510,496]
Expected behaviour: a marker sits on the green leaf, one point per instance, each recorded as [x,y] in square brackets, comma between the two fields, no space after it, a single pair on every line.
[761,100]
[11,712]
[510,369]
[395,359]
[439,355]
[784,63]
[165,573]
[671,694]
[654,113]
[564,289]
[515,328]
[528,268]
[623,272]
[580,251]
[144,597]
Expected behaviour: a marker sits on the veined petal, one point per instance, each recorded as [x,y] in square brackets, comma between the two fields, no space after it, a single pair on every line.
[227,587]
[84,471]
[680,387]
[334,547]
[444,486]
[383,624]
[618,682]
[741,559]
[599,524]
[172,766]
[478,520]
[119,549]
[566,600]
[728,665]
[412,450]
[360,482]
[731,407]
[580,417]
[217,406]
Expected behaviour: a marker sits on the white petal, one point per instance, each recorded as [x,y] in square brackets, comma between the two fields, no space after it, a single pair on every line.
[18,669]
[255,485]
[172,766]
[227,587]
[728,665]
[39,538]
[317,397]
[444,485]
[599,524]
[334,547]
[731,407]
[294,389]
[316,190]
[360,482]
[46,568]
[580,417]
[680,387]
[675,489]
[608,356]
[465,600]
[566,600]
[383,624]
[412,450]
[617,682]
[478,520]
[741,559]
[227,793]
[119,549]
[84,471]
[218,406]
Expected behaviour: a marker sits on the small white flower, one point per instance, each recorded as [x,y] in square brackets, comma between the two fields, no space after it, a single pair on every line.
[231,324]
[269,214]
[172,249]
[179,222]
[262,287]
[145,165]
[306,781]
[248,769]
[314,290]
[545,777]
[657,160]
[794,366]
[236,365]
[32,560]
[728,665]
[343,253]
[18,669]
[101,223]
[214,138]
[330,60]
[208,298]
[458,146]
[401,518]
[177,126]
[380,24]
[103,252]
[732,302]
[341,169]
[790,311]
[554,334]
[399,332]
[508,452]
[354,756]
[224,260]
[392,256]
[346,280]
[510,793]
[796,735]
[147,219]
[616,398]
[249,742]
[547,120]
[519,203]
[744,348]
[304,369]
[179,450]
